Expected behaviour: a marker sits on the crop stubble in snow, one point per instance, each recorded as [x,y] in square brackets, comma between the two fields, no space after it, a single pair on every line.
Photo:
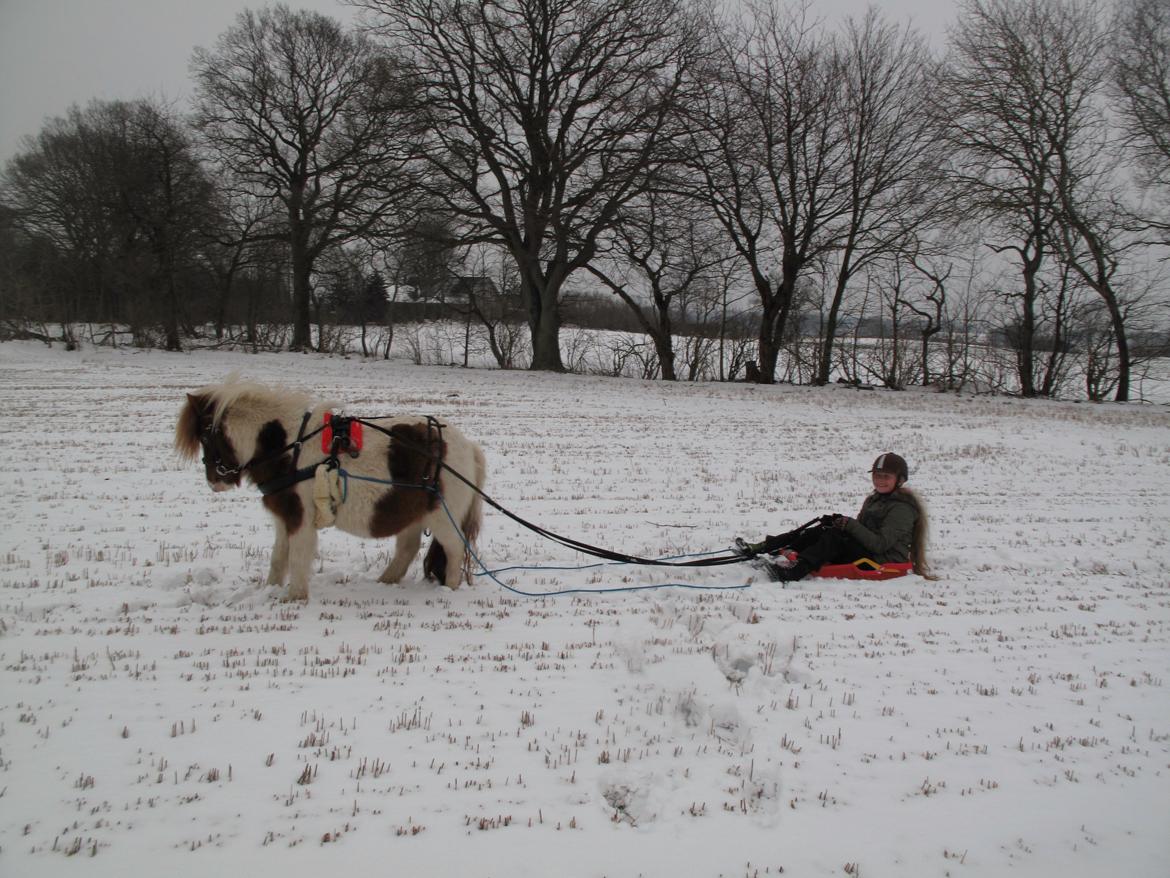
[160,706]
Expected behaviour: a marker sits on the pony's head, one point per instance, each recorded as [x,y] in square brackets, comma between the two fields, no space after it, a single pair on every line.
[202,426]
[232,423]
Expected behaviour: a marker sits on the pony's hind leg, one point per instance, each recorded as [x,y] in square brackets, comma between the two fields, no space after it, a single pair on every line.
[406,547]
[450,543]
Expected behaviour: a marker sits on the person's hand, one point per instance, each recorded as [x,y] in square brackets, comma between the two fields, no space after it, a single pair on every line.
[840,521]
[834,520]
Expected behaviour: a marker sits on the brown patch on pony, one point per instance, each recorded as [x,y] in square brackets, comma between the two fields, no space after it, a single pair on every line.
[286,505]
[269,441]
[410,461]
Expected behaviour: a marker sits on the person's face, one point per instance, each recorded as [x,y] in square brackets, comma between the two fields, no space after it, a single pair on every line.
[884,483]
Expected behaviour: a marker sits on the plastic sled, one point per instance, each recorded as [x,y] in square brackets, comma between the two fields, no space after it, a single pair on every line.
[863,568]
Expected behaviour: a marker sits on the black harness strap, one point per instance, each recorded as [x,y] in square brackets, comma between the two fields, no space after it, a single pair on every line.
[341,442]
[435,452]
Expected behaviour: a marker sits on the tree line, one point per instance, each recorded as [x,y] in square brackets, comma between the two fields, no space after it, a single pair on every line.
[748,177]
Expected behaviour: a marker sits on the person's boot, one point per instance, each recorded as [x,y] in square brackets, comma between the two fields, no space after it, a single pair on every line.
[799,569]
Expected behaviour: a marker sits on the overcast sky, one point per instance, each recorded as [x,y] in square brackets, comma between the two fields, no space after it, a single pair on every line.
[54,53]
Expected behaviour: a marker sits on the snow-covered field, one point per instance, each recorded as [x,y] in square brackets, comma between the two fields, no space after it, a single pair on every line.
[162,712]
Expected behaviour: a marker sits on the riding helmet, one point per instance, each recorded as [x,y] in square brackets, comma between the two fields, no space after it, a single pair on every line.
[893,464]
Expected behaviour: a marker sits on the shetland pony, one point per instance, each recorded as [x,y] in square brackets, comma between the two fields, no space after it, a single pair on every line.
[248,430]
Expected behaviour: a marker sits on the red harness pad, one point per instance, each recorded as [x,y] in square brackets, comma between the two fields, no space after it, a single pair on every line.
[351,437]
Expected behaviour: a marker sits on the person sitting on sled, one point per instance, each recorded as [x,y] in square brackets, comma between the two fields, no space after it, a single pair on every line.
[890,528]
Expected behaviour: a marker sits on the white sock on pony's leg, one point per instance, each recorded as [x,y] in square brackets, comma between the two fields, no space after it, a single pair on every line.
[302,550]
[278,566]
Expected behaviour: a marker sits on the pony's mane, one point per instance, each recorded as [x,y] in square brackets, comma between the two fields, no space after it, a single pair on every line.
[234,390]
[255,397]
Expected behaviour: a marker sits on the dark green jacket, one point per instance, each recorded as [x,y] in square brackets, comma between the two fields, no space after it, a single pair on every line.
[885,526]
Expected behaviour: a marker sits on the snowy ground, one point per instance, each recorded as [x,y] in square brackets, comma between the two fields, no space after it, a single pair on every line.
[158,706]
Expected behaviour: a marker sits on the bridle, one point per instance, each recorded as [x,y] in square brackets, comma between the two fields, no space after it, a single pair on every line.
[223,471]
[207,440]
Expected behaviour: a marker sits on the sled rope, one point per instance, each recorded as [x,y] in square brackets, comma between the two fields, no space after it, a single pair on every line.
[484,570]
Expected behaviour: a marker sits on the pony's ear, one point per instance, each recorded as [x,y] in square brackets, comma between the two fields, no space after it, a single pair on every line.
[187,428]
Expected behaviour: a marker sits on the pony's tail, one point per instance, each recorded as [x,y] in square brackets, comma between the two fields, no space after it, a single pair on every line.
[473,520]
[187,428]
[921,532]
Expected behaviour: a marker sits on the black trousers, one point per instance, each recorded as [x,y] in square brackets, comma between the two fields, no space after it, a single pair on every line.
[826,545]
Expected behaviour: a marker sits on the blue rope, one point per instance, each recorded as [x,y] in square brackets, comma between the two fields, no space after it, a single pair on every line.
[492,574]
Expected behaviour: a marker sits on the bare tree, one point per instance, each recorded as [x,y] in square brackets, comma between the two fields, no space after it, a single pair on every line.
[546,117]
[58,190]
[498,308]
[229,247]
[667,253]
[893,152]
[312,118]
[118,192]
[1007,95]
[1141,84]
[1026,100]
[769,152]
[169,196]
[930,304]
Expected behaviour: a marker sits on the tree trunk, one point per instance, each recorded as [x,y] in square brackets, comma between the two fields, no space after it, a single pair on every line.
[772,326]
[173,342]
[926,336]
[1026,353]
[302,267]
[1098,279]
[544,320]
[825,367]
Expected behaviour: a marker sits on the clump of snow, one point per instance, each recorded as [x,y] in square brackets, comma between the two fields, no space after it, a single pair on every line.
[160,704]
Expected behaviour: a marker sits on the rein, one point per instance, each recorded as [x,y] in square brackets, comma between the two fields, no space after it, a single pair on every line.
[340,425]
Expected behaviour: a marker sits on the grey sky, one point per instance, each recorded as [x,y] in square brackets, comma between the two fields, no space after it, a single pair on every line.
[54,53]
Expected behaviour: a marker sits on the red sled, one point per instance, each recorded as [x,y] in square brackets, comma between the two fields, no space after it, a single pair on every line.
[864,568]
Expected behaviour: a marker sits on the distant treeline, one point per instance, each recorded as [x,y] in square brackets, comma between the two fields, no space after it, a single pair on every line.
[751,179]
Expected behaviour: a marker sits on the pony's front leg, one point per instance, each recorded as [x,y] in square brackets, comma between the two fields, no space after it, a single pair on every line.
[278,566]
[302,550]
[405,549]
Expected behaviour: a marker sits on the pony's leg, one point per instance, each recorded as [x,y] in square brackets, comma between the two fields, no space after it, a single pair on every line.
[278,566]
[406,546]
[302,550]
[453,546]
